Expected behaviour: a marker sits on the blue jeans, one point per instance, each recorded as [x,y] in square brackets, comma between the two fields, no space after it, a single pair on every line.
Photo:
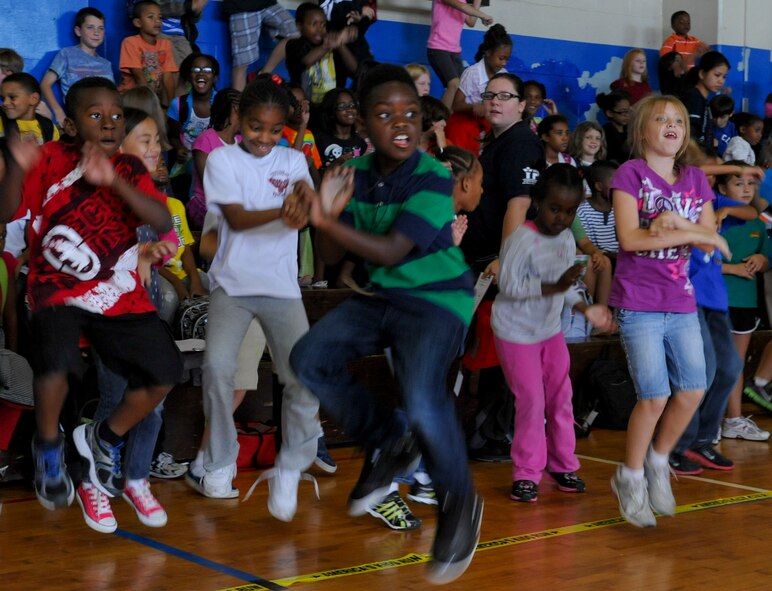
[723,366]
[424,341]
[140,445]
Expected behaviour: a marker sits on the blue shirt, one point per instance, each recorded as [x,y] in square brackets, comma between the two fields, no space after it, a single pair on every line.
[72,64]
[723,135]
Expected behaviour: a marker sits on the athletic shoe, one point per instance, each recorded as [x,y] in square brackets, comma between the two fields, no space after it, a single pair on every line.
[422,493]
[218,484]
[149,510]
[743,428]
[196,482]
[710,458]
[378,472]
[282,491]
[661,496]
[395,513]
[458,531]
[569,482]
[760,395]
[524,491]
[164,466]
[103,459]
[683,466]
[633,498]
[323,459]
[53,485]
[95,505]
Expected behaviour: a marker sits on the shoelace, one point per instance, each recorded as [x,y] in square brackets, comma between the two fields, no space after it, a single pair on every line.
[52,463]
[272,474]
[115,458]
[163,460]
[98,501]
[144,497]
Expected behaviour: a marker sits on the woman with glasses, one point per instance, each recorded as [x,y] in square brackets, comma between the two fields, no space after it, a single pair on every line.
[616,105]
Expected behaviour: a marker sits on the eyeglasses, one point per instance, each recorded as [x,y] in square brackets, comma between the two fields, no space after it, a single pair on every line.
[205,70]
[621,111]
[345,106]
[502,96]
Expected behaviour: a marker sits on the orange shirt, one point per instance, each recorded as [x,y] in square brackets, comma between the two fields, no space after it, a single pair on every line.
[676,42]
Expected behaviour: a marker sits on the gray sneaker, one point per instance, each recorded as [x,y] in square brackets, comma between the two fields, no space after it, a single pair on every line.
[633,500]
[660,492]
[103,460]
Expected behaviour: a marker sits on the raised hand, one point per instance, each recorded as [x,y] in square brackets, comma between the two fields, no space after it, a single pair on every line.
[336,190]
[24,151]
[459,227]
[96,166]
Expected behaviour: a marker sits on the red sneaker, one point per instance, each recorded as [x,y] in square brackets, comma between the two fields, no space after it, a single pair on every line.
[149,510]
[96,508]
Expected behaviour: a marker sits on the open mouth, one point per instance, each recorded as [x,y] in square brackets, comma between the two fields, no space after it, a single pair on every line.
[402,141]
[671,135]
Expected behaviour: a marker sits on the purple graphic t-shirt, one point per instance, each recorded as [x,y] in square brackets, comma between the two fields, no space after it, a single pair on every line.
[658,280]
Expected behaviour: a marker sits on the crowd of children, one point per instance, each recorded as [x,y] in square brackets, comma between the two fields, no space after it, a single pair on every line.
[377,186]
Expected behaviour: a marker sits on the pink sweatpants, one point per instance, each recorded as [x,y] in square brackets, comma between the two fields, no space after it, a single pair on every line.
[537,374]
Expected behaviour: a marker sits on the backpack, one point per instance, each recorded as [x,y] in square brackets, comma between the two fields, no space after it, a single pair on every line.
[191,319]
[608,390]
[257,445]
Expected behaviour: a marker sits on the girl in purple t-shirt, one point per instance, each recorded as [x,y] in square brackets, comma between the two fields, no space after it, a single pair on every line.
[662,208]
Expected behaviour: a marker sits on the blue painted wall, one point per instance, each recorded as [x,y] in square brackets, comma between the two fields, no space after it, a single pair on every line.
[572,72]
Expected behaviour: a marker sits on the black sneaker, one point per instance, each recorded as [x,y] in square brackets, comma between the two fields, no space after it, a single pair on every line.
[683,466]
[53,485]
[395,513]
[458,531]
[569,482]
[498,453]
[422,493]
[378,472]
[524,491]
[708,457]
[759,395]
[103,460]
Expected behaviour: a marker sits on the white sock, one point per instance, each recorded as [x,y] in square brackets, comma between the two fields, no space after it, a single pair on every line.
[134,483]
[760,382]
[394,487]
[731,420]
[657,459]
[631,473]
[422,477]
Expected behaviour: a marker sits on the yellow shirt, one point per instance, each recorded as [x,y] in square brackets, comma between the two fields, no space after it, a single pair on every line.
[184,236]
[30,129]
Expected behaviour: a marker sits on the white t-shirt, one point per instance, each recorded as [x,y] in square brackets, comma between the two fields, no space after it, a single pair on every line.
[474,81]
[264,260]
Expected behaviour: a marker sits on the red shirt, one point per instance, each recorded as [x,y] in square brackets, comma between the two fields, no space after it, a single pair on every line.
[83,240]
[637,90]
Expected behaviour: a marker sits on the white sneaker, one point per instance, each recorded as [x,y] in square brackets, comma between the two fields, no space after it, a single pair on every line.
[633,498]
[149,510]
[218,484]
[661,496]
[282,491]
[743,428]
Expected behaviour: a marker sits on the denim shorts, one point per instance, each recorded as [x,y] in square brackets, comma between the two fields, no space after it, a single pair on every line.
[663,349]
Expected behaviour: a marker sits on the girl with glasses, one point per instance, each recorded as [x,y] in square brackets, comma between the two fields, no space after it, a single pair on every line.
[616,106]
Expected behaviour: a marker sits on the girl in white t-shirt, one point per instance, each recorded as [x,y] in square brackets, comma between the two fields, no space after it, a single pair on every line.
[253,185]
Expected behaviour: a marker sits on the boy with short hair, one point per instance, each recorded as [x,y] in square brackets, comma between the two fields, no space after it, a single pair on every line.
[21,94]
[10,62]
[721,109]
[311,57]
[690,48]
[750,128]
[79,61]
[399,219]
[147,60]
[87,200]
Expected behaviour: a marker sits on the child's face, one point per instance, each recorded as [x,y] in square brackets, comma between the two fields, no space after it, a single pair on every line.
[665,132]
[99,119]
[468,190]
[714,80]
[144,142]
[345,110]
[557,210]
[393,123]
[149,21]
[92,32]
[682,24]
[261,129]
[740,188]
[678,67]
[603,186]
[620,114]
[722,121]
[558,137]
[423,84]
[591,143]
[638,65]
[18,102]
[533,100]
[495,59]
[752,133]
[202,76]
[314,27]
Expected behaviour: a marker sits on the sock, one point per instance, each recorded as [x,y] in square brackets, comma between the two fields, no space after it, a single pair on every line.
[760,382]
[198,463]
[132,483]
[107,435]
[631,473]
[394,487]
[657,459]
[731,420]
[422,478]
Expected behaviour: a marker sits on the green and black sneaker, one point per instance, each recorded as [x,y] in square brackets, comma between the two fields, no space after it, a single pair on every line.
[393,510]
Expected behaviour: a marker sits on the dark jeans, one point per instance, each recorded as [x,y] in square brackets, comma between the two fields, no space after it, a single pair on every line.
[424,341]
[723,366]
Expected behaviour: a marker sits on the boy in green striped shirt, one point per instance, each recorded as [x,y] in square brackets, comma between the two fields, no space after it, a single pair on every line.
[394,208]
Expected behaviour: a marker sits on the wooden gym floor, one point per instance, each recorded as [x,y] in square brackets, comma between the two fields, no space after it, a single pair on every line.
[719,539]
